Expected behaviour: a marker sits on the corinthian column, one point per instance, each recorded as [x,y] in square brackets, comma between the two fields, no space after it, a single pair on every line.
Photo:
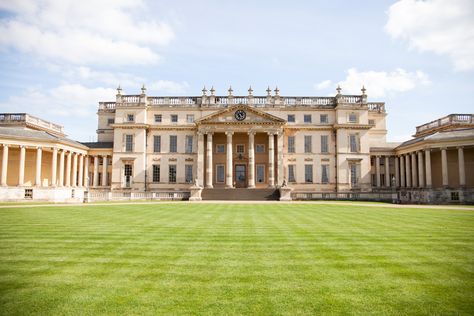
[402,172]
[229,167]
[377,171]
[39,155]
[397,172]
[61,168]
[54,166]
[444,167]
[74,170]
[81,170]
[21,171]
[421,173]
[428,167]
[96,171]
[271,160]
[200,159]
[104,171]
[209,164]
[4,165]
[462,172]
[388,181]
[408,170]
[251,159]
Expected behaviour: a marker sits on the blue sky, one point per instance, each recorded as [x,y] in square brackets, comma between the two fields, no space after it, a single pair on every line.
[59,58]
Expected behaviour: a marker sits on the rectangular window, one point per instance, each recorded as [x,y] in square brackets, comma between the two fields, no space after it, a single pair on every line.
[324,173]
[173,143]
[323,119]
[308,148]
[189,144]
[352,118]
[158,118]
[110,121]
[354,175]
[220,173]
[291,173]
[28,193]
[130,118]
[172,174]
[291,144]
[260,173]
[353,143]
[240,149]
[157,144]
[190,118]
[260,148]
[156,173]
[188,173]
[174,118]
[308,173]
[307,118]
[220,148]
[291,118]
[127,173]
[324,143]
[129,143]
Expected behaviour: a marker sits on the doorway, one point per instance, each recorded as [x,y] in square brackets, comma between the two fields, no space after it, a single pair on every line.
[240,176]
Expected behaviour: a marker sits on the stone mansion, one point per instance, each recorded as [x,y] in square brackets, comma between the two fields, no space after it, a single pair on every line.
[238,147]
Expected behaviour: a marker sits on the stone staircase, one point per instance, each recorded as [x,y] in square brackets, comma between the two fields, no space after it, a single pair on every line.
[240,194]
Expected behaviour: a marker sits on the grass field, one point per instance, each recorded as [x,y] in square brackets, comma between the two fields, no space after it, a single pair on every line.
[220,259]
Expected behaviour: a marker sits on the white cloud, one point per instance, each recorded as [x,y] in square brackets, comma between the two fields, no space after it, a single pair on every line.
[323,85]
[168,86]
[381,83]
[445,27]
[377,83]
[66,100]
[84,32]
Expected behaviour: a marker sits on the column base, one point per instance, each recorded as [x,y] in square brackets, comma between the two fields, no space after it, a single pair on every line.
[209,186]
[229,186]
[251,187]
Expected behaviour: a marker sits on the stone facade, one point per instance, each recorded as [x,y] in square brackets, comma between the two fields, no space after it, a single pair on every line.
[167,147]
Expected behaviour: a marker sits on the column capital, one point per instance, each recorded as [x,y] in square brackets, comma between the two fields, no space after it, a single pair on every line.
[229,133]
[5,145]
[251,132]
[271,133]
[460,147]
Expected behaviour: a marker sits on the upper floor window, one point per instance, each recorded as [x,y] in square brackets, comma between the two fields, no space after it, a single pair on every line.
[128,143]
[240,149]
[158,118]
[354,143]
[291,118]
[307,118]
[291,144]
[173,143]
[156,143]
[323,119]
[110,121]
[189,144]
[308,148]
[190,118]
[130,118]
[324,143]
[174,118]
[260,148]
[172,173]
[352,118]
[220,148]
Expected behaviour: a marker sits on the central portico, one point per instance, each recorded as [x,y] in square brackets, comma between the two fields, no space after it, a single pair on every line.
[240,147]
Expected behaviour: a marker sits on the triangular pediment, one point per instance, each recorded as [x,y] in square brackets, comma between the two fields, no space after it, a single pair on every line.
[240,114]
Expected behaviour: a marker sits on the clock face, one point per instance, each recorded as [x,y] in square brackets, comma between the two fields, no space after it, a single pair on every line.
[240,115]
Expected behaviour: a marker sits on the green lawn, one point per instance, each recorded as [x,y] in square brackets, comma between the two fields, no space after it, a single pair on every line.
[218,259]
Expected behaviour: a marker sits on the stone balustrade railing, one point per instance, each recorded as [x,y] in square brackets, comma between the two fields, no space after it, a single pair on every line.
[452,119]
[18,118]
[257,101]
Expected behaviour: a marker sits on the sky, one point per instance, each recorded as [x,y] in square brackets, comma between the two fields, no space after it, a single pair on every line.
[59,58]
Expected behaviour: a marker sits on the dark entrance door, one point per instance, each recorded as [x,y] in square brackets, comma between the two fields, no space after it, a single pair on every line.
[240,176]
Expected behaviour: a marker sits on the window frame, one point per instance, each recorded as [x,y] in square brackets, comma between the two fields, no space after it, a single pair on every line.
[306,116]
[263,167]
[308,146]
[261,146]
[293,118]
[218,166]
[291,149]
[158,118]
[156,171]
[217,149]
[171,175]
[188,116]
[157,143]
[127,138]
[306,178]
[130,118]
[293,168]
[175,149]
[324,121]
[172,116]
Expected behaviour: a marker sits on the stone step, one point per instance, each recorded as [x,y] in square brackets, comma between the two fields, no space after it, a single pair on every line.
[240,194]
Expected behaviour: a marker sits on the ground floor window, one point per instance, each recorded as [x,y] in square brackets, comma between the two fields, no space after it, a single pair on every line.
[354,169]
[156,173]
[308,173]
[188,172]
[28,193]
[324,173]
[127,172]
[260,173]
[220,173]
[172,174]
[291,173]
